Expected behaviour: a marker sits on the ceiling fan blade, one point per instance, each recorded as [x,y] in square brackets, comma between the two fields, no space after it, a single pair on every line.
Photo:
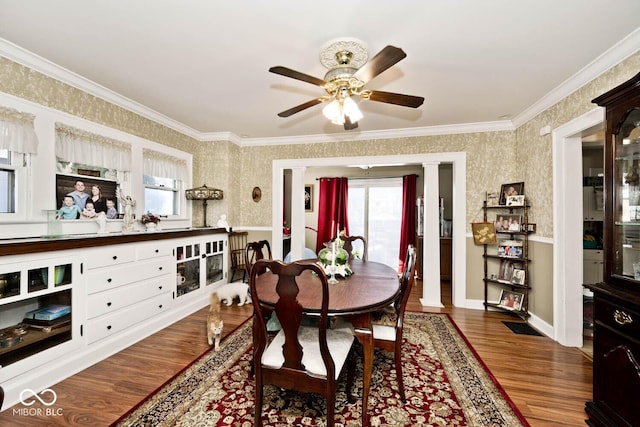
[396,98]
[298,108]
[384,59]
[348,125]
[288,72]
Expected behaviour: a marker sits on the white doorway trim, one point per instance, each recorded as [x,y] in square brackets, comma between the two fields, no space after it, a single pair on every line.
[459,205]
[567,226]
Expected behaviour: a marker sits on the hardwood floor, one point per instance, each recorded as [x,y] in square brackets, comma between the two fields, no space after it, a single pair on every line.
[549,383]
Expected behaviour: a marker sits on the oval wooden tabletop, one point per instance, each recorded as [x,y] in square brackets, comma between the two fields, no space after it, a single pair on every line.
[372,286]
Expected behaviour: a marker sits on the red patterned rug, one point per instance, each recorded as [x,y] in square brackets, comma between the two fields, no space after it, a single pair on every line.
[446,384]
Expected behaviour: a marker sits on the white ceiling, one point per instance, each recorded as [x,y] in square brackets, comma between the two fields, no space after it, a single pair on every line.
[203,64]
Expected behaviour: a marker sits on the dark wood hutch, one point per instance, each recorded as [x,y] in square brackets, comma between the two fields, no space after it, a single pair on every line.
[616,356]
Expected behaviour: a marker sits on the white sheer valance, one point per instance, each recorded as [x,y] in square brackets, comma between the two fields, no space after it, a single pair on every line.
[17,132]
[163,165]
[79,146]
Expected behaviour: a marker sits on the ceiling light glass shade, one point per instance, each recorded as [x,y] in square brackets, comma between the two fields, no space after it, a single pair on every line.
[351,110]
[333,112]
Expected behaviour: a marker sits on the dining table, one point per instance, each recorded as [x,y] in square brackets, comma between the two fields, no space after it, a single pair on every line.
[371,287]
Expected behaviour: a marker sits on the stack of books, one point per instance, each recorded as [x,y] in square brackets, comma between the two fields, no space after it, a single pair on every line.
[48,318]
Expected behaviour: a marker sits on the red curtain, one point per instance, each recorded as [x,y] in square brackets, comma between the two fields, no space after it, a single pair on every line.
[408,225]
[332,209]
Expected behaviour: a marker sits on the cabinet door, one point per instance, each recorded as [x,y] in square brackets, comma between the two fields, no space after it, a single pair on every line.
[593,201]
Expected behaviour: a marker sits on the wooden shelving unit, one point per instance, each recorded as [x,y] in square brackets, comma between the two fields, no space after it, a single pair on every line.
[494,261]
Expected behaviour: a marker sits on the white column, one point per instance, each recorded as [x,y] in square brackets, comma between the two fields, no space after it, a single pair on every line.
[297,213]
[431,238]
[277,211]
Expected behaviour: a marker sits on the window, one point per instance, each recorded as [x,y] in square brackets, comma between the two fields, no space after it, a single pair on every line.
[7,183]
[375,212]
[161,195]
[164,176]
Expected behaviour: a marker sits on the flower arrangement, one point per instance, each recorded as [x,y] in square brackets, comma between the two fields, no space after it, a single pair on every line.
[149,218]
[335,260]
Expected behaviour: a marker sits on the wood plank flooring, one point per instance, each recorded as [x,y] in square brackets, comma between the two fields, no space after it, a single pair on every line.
[549,383]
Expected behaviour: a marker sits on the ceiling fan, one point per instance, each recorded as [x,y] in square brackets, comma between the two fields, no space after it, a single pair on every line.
[348,72]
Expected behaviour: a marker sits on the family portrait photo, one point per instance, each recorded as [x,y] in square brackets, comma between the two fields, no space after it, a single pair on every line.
[508,190]
[80,197]
[511,300]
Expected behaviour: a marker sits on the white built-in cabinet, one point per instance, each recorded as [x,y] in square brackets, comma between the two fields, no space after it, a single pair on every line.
[592,266]
[121,289]
[593,203]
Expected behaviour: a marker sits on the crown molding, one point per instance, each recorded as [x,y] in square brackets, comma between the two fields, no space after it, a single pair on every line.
[611,57]
[497,126]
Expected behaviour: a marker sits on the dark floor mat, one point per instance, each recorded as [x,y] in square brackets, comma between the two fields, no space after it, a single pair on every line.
[521,328]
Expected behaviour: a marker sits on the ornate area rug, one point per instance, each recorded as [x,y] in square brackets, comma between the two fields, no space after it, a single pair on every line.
[446,384]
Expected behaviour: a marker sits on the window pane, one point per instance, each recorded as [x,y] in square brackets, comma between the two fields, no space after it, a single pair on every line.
[385,216]
[356,211]
[160,202]
[7,191]
[5,157]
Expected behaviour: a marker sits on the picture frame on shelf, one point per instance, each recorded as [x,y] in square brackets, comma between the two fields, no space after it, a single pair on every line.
[511,249]
[508,222]
[484,233]
[511,300]
[515,201]
[518,276]
[493,198]
[512,189]
[507,266]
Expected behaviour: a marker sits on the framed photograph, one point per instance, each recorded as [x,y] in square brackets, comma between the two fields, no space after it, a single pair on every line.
[484,233]
[308,198]
[65,184]
[505,223]
[517,277]
[506,270]
[510,249]
[515,200]
[493,198]
[531,228]
[513,189]
[511,300]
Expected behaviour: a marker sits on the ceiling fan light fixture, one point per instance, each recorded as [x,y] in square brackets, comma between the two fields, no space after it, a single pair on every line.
[350,108]
[333,112]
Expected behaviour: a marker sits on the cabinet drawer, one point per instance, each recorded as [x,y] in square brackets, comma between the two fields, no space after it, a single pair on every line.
[109,301]
[153,250]
[617,317]
[102,280]
[104,326]
[114,255]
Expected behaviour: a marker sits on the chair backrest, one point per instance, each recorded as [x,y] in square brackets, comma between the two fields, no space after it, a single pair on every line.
[254,251]
[348,246]
[289,310]
[407,279]
[237,243]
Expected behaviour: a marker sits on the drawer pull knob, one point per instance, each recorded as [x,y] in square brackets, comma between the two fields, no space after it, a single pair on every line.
[159,268]
[159,287]
[160,306]
[157,250]
[115,257]
[109,304]
[622,318]
[109,280]
[109,327]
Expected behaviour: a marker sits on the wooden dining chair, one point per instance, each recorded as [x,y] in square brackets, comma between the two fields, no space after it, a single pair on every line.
[237,243]
[303,358]
[255,251]
[349,247]
[388,335]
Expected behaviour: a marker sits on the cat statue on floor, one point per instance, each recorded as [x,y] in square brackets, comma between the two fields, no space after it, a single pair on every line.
[214,322]
[230,291]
